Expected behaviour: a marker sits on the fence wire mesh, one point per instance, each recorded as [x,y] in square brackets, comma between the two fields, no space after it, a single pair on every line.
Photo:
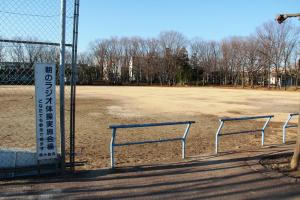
[30,32]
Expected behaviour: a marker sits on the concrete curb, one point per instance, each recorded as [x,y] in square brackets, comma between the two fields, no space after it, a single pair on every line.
[12,159]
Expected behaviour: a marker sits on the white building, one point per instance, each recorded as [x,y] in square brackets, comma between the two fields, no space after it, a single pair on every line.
[130,70]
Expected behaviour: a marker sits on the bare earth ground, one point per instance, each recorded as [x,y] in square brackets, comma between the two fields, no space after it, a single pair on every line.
[98,107]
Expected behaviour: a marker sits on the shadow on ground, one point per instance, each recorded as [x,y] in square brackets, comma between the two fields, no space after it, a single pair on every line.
[226,176]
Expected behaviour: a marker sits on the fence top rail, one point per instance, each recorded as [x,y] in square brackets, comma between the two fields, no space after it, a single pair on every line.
[33,42]
[246,118]
[150,124]
[294,114]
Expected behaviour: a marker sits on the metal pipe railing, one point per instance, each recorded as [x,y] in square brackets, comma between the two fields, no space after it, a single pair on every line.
[149,125]
[285,126]
[223,120]
[114,133]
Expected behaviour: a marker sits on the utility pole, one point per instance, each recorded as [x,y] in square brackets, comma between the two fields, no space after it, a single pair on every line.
[295,160]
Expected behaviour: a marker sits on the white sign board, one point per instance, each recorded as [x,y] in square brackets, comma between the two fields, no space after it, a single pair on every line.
[45,105]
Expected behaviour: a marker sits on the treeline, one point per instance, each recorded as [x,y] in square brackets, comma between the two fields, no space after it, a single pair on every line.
[17,60]
[268,57]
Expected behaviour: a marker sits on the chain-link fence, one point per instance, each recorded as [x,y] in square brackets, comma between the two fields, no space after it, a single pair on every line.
[30,32]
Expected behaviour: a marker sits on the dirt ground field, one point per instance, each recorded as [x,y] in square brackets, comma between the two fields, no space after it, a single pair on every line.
[98,107]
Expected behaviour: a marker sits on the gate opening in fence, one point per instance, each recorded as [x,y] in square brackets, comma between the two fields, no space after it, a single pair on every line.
[114,134]
[223,120]
[286,125]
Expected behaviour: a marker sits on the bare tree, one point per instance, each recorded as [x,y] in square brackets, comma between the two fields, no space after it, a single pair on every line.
[233,61]
[237,58]
[17,53]
[296,63]
[251,59]
[198,50]
[99,53]
[272,37]
[126,59]
[151,47]
[32,52]
[137,54]
[226,61]
[290,40]
[171,42]
[205,60]
[49,54]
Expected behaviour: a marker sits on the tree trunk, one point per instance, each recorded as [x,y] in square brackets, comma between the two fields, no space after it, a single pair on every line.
[284,77]
[243,78]
[276,77]
[252,81]
[297,74]
[296,156]
[269,76]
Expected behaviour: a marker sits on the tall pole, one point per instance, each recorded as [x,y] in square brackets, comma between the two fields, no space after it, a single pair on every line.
[73,85]
[296,156]
[62,84]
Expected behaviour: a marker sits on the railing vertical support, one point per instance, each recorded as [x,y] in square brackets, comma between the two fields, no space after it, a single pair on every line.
[112,143]
[284,128]
[286,125]
[183,141]
[217,135]
[263,131]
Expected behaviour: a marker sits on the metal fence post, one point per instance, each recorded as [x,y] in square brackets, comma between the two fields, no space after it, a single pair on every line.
[112,142]
[217,135]
[62,83]
[73,85]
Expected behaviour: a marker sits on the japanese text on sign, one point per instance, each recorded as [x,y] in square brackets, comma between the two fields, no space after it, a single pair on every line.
[45,111]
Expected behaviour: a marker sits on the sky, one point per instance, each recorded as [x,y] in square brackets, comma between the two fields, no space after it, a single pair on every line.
[206,19]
